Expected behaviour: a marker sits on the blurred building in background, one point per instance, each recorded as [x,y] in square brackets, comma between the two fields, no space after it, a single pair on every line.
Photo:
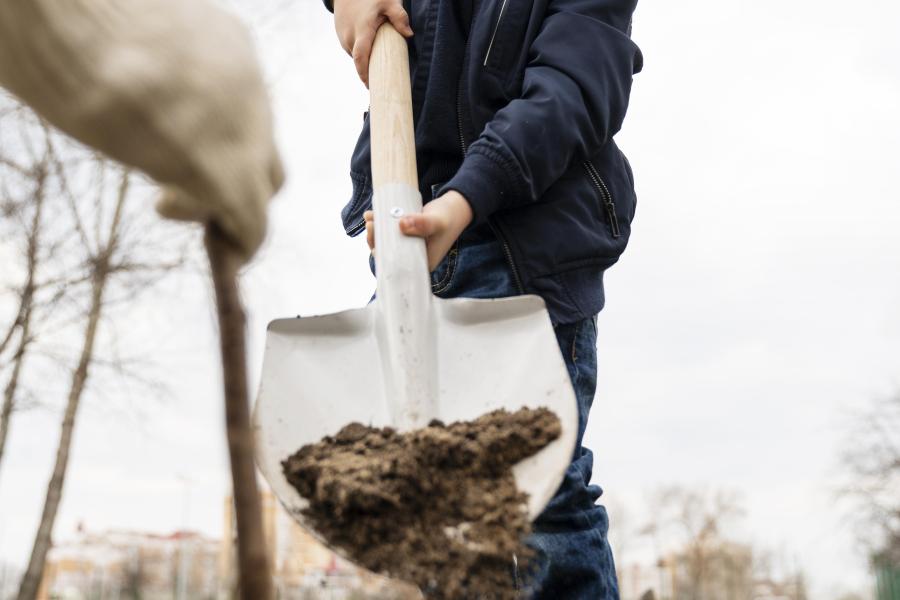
[718,571]
[304,569]
[792,588]
[635,579]
[120,565]
[131,564]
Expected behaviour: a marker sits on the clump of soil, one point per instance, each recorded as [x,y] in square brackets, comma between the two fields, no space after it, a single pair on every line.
[437,506]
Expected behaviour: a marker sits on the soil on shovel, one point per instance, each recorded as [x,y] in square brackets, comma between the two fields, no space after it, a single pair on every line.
[437,506]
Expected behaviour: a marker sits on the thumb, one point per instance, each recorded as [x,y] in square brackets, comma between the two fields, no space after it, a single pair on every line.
[420,225]
[244,224]
[176,204]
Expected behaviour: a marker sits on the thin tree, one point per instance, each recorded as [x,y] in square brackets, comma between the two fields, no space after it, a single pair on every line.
[109,263]
[24,194]
[22,322]
[255,571]
[101,269]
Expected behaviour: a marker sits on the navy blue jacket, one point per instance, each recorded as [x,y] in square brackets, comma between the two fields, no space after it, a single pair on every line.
[543,89]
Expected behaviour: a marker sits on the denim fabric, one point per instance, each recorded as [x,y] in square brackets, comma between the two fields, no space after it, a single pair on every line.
[574,560]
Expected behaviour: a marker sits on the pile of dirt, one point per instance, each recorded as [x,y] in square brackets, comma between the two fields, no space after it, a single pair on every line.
[437,506]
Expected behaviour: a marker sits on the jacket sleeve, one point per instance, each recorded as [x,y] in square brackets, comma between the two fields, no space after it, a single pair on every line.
[574,96]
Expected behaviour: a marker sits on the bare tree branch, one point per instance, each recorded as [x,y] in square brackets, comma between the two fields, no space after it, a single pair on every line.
[26,306]
[66,191]
[11,164]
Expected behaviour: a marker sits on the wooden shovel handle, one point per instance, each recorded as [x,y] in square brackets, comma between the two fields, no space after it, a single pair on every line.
[390,111]
[255,578]
[405,316]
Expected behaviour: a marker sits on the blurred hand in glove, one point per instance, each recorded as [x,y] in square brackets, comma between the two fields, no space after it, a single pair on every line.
[171,87]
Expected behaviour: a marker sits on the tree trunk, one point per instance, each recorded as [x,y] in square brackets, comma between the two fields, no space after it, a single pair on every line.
[31,580]
[23,316]
[9,392]
[255,578]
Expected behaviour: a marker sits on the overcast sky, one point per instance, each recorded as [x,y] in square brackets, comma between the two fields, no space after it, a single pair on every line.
[757,304]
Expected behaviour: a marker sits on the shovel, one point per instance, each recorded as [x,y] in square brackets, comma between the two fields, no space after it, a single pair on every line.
[408,357]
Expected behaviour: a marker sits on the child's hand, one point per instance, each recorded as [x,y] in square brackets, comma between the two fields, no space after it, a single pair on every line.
[356,22]
[441,221]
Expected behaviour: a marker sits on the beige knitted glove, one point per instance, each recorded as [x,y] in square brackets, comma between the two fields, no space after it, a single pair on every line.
[171,87]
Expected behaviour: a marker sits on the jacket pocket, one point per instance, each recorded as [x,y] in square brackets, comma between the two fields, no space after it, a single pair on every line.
[442,276]
[607,203]
[507,33]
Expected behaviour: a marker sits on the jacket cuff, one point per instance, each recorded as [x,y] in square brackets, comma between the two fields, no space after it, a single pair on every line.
[483,181]
[329,4]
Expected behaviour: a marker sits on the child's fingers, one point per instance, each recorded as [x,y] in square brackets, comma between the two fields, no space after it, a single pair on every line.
[399,19]
[361,62]
[362,49]
[370,230]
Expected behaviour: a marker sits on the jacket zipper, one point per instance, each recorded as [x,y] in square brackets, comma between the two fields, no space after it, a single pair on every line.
[459,125]
[494,34]
[459,87]
[608,205]
[462,144]
[356,228]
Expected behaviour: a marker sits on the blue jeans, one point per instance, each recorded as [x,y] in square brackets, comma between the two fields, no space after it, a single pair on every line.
[573,558]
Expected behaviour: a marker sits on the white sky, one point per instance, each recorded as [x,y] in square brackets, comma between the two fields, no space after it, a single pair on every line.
[758,302]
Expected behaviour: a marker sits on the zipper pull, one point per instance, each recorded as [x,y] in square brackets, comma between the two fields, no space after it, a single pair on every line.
[613,219]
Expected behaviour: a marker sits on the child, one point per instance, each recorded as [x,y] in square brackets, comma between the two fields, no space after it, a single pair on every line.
[515,103]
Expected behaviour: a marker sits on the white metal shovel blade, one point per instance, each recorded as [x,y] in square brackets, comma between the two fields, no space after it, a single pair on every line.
[321,373]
